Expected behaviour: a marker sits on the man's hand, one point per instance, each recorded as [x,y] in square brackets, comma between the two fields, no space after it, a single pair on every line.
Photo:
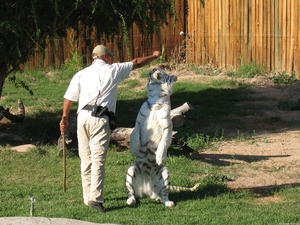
[156,53]
[142,61]
[63,124]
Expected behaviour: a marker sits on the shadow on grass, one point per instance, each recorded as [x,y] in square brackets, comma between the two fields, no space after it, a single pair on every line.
[210,189]
[229,111]
[229,159]
[269,190]
[219,111]
[216,109]
[42,129]
[215,189]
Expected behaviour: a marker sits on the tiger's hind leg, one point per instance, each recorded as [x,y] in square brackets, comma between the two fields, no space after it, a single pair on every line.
[163,186]
[129,183]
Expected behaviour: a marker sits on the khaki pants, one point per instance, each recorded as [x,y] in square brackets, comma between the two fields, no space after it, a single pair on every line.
[93,140]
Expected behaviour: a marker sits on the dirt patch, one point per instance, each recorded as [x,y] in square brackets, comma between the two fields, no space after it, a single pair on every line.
[263,162]
[270,158]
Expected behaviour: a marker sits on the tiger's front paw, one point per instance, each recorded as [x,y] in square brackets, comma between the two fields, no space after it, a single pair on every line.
[161,154]
[160,160]
[131,201]
[169,204]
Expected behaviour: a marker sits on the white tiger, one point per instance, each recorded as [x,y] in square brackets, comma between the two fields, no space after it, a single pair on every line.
[149,141]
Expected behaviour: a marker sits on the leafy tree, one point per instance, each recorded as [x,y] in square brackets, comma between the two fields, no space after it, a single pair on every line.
[26,24]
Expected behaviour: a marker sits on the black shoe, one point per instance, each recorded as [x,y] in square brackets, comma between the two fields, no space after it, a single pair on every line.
[97,205]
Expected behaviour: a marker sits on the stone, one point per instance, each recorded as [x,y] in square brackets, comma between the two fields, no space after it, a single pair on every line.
[23,148]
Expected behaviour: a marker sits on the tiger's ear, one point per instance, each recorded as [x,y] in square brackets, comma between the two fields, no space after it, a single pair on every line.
[174,78]
[152,71]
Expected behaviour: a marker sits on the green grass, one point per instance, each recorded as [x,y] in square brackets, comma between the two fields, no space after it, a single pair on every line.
[39,173]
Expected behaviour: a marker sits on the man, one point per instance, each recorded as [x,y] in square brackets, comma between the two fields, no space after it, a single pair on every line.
[96,84]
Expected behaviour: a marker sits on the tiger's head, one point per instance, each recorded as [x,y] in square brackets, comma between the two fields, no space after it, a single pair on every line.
[158,76]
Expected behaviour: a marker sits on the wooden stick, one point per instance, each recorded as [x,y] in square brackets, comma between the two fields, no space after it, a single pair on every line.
[64,157]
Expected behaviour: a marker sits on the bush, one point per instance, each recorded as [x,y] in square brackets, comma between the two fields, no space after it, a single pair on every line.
[249,70]
[284,78]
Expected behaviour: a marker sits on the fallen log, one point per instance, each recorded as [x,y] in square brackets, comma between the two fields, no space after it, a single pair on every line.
[14,118]
[177,114]
[121,135]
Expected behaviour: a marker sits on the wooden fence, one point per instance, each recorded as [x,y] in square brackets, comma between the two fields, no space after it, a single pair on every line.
[221,33]
[226,33]
[60,51]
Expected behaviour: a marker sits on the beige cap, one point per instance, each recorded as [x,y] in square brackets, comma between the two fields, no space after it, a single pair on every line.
[100,50]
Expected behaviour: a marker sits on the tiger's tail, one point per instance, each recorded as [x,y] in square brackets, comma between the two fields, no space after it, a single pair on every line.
[180,188]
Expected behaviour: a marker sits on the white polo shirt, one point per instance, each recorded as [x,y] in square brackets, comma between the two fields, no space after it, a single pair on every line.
[86,84]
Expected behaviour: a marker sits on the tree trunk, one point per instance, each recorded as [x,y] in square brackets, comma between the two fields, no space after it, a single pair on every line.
[15,118]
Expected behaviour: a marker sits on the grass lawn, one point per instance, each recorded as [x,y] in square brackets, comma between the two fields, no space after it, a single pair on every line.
[39,173]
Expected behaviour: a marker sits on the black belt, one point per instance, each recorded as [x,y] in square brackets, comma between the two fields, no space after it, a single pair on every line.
[88,107]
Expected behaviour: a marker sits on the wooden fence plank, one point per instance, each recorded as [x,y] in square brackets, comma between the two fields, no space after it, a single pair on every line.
[284,35]
[238,54]
[250,31]
[243,40]
[297,48]
[212,57]
[278,34]
[202,34]
[220,37]
[206,34]
[222,34]
[270,35]
[253,29]
[288,38]
[227,31]
[189,43]
[232,33]
[197,29]
[260,32]
[293,21]
[265,25]
[216,36]
[191,28]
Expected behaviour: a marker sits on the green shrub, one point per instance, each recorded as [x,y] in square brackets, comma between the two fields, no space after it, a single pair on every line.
[249,70]
[72,66]
[284,78]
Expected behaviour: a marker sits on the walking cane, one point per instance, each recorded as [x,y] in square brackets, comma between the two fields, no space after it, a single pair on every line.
[64,156]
